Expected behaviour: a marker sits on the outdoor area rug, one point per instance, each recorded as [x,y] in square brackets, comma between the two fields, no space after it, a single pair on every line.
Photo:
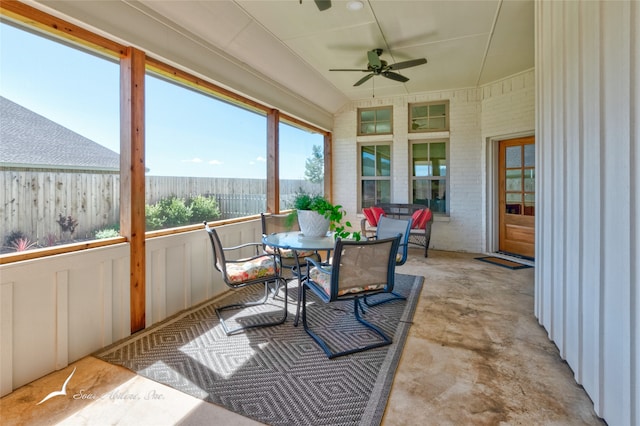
[505,263]
[277,375]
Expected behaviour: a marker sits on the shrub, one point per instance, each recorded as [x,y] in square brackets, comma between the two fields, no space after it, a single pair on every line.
[203,208]
[22,244]
[67,223]
[13,237]
[173,211]
[167,213]
[107,233]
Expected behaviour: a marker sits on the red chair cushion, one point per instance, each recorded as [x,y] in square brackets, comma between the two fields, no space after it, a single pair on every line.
[371,218]
[377,212]
[420,218]
[417,218]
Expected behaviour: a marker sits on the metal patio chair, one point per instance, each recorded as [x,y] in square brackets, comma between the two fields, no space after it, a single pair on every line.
[389,227]
[259,269]
[358,269]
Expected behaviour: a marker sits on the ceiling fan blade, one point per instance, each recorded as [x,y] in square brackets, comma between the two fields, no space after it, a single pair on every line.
[323,4]
[363,79]
[374,58]
[407,64]
[348,69]
[395,76]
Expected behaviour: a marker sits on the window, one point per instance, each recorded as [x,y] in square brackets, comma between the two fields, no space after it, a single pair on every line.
[375,121]
[429,174]
[301,163]
[205,158]
[375,174]
[63,149]
[428,117]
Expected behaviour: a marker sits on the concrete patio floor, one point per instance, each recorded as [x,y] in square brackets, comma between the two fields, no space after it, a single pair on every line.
[475,355]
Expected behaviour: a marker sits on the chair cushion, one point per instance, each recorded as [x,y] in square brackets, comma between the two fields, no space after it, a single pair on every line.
[420,218]
[416,218]
[324,280]
[371,218]
[262,266]
[377,212]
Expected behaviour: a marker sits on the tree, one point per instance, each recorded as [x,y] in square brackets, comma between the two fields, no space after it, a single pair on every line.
[314,166]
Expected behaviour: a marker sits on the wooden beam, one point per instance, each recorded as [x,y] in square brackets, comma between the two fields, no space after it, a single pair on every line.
[132,169]
[273,162]
[35,18]
[328,162]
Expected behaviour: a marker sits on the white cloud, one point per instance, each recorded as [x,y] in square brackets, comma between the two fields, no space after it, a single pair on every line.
[193,160]
[261,159]
[215,162]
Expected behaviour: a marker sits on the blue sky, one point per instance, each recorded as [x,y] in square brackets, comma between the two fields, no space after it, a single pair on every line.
[187,134]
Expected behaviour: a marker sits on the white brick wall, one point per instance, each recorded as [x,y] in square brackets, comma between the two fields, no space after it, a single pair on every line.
[476,115]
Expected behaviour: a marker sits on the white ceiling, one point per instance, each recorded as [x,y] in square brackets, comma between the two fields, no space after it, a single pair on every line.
[279,52]
[466,43]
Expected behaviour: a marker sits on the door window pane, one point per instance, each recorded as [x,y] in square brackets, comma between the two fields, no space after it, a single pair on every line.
[529,180]
[514,180]
[514,156]
[514,203]
[529,156]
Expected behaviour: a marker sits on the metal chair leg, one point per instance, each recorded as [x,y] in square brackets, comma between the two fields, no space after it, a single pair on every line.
[235,306]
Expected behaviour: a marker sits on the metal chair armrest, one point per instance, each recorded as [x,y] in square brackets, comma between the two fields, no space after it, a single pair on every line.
[257,246]
[321,266]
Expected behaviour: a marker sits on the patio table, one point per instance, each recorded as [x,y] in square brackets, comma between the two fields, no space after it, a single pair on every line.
[295,240]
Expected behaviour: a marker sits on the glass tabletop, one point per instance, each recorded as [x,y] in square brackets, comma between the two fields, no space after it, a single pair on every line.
[297,241]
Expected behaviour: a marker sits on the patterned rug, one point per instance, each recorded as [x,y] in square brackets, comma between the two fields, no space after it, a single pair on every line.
[277,375]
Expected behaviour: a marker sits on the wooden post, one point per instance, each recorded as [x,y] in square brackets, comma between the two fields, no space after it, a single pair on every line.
[132,185]
[328,193]
[273,162]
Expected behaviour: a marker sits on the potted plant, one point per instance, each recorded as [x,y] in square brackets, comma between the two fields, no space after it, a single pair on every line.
[316,216]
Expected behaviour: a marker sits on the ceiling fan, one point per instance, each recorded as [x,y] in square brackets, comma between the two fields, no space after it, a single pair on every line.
[322,4]
[377,66]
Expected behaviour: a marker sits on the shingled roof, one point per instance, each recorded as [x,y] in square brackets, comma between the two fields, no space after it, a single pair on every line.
[30,140]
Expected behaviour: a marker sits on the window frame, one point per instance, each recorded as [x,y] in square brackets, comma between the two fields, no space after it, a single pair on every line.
[413,178]
[362,178]
[411,117]
[34,20]
[375,121]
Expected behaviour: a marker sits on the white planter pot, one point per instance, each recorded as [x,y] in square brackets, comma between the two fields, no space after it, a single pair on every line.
[313,224]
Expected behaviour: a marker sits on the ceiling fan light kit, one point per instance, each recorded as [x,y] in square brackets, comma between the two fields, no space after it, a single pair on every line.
[377,66]
[355,5]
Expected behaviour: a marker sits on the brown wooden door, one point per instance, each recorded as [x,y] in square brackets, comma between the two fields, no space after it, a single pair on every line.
[517,196]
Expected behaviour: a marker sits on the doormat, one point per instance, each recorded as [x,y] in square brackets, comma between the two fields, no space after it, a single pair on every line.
[503,262]
[277,375]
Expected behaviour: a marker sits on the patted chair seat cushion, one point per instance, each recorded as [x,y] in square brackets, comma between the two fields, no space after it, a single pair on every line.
[289,253]
[324,280]
[260,267]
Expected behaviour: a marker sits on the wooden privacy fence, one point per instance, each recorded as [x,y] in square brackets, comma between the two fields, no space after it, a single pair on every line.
[32,201]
